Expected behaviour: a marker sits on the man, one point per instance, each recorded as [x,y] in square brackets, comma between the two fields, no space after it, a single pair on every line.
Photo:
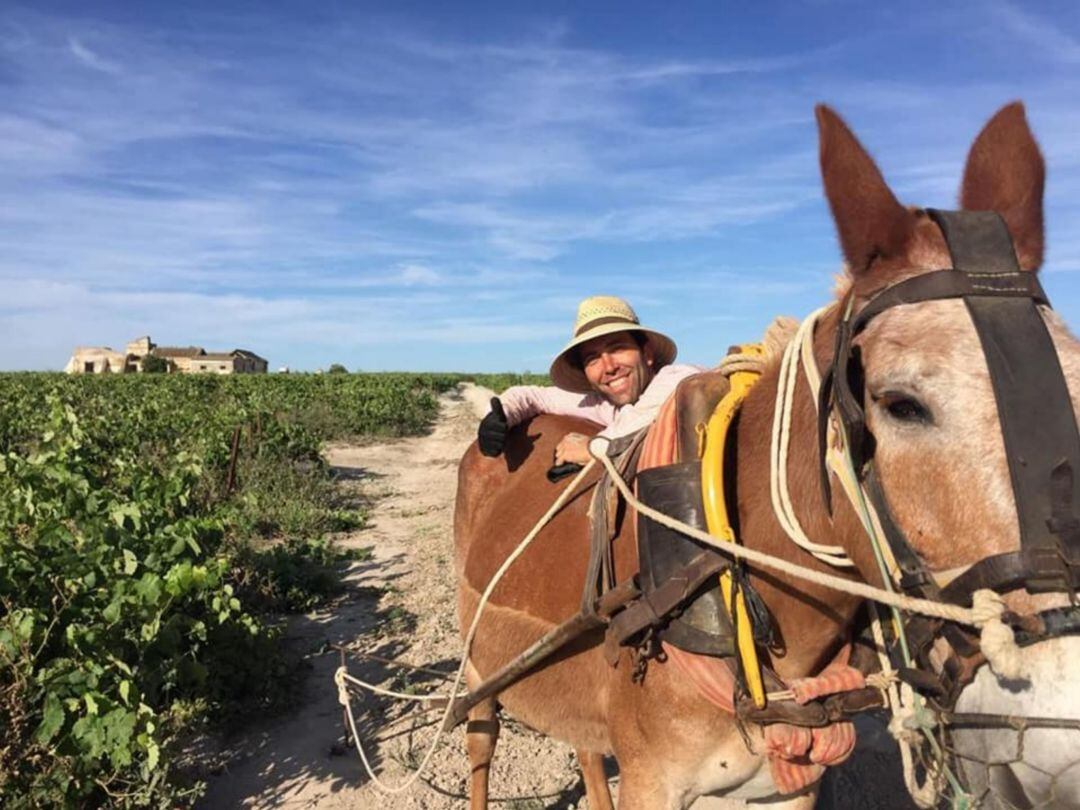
[614,372]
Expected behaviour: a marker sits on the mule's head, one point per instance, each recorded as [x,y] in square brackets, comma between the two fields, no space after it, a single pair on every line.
[930,405]
[928,397]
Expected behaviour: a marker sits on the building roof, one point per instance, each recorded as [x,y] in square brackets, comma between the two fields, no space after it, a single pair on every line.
[246,354]
[178,351]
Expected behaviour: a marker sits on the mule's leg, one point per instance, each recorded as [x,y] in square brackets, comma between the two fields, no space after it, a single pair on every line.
[596,786]
[645,788]
[481,734]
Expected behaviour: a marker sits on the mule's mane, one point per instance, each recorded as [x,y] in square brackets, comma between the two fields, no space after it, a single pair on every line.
[777,336]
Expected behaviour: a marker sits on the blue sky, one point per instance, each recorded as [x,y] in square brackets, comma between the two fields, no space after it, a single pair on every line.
[434,186]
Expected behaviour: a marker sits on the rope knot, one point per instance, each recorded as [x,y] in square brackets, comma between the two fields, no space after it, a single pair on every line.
[342,690]
[997,640]
[882,680]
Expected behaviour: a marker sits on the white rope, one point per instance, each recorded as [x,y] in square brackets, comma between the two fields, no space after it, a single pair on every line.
[378,690]
[989,612]
[781,440]
[998,642]
[340,675]
[900,701]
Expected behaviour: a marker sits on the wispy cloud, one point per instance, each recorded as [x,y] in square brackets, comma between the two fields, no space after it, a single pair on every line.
[1043,38]
[91,59]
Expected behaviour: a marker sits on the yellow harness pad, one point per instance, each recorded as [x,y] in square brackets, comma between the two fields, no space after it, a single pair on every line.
[718,520]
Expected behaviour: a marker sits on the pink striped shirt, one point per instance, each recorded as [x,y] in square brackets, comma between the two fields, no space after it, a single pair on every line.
[523,402]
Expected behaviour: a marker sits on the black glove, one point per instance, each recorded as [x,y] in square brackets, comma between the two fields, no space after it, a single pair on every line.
[493,428]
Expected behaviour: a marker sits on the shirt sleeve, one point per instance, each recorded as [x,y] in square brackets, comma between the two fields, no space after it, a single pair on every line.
[522,402]
[631,418]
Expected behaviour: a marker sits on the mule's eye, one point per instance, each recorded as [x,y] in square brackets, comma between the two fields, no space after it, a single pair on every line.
[905,408]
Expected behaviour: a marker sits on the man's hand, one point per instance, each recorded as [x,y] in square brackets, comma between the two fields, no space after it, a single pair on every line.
[574,447]
[493,428]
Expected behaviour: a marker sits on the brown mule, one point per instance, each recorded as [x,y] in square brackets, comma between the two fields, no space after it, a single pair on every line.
[940,456]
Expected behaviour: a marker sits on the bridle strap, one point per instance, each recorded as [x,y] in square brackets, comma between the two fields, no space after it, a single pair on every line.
[945,284]
[1035,410]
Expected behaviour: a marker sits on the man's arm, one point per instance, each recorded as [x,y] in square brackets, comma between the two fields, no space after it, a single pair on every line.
[522,402]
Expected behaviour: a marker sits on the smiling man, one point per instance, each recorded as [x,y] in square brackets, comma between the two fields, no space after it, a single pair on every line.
[614,372]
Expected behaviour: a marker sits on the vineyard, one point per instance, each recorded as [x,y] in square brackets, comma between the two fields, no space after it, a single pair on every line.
[152,528]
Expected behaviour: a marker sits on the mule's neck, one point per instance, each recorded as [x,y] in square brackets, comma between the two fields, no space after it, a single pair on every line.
[811,621]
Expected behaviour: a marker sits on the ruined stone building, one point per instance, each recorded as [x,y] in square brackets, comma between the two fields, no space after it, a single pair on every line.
[181,359]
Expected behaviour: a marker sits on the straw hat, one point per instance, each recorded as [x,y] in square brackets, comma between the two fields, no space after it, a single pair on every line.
[602,315]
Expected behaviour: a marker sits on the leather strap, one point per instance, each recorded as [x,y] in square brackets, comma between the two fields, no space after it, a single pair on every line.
[940,285]
[1033,402]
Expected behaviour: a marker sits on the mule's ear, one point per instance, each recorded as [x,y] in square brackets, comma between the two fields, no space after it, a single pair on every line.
[1005,173]
[869,219]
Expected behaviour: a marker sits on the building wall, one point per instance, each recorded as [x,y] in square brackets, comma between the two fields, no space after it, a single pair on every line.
[140,347]
[249,365]
[99,361]
[212,365]
[180,365]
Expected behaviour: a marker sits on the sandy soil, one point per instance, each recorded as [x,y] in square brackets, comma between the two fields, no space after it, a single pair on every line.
[399,605]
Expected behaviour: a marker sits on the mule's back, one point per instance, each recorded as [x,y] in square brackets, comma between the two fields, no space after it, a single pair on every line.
[499,500]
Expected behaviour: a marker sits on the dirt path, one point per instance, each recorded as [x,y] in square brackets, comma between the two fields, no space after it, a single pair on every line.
[399,605]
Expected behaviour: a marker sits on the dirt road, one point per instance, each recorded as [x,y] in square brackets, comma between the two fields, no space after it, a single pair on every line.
[399,605]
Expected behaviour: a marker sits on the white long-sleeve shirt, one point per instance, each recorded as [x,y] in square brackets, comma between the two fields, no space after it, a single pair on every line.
[522,402]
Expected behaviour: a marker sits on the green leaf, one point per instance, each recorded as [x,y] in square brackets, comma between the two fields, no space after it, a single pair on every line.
[152,755]
[91,704]
[123,511]
[52,720]
[130,562]
[120,665]
[149,588]
[125,688]
[111,613]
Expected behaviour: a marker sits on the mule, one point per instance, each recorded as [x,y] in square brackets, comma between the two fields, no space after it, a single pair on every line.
[941,458]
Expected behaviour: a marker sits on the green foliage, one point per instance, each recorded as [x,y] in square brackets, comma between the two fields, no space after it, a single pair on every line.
[152,364]
[500,382]
[146,522]
[337,368]
[111,591]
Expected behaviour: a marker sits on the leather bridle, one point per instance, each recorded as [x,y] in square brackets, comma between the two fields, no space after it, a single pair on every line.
[1038,423]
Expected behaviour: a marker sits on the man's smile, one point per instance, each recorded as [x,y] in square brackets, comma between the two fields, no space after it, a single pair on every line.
[620,381]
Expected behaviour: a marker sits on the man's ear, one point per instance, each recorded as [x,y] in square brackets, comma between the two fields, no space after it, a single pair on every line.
[648,353]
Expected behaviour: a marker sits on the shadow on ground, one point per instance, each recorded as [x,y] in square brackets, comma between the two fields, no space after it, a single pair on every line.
[273,759]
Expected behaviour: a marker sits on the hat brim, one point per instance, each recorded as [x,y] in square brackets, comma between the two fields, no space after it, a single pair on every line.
[569,376]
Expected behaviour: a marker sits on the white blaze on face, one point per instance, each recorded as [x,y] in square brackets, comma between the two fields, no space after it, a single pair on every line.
[1043,768]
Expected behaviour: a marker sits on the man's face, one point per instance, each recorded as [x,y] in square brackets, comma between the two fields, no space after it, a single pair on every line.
[617,367]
